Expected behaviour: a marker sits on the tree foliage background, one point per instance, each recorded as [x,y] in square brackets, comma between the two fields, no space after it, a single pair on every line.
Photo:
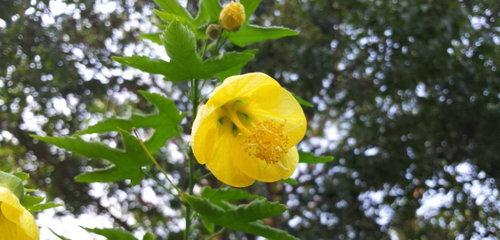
[406,97]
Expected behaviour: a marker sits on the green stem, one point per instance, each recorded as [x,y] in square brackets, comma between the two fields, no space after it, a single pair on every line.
[191,181]
[152,159]
[216,234]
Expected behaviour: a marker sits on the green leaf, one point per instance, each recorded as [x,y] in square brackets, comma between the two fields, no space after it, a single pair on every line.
[227,194]
[236,219]
[256,209]
[250,7]
[22,175]
[125,164]
[249,33]
[219,65]
[59,236]
[43,206]
[290,181]
[252,34]
[146,64]
[165,122]
[29,200]
[209,226]
[180,43]
[173,7]
[13,183]
[149,236]
[112,234]
[185,63]
[209,11]
[153,37]
[305,157]
[303,102]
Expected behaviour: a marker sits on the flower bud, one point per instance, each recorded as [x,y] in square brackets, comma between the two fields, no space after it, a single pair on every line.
[232,16]
[213,31]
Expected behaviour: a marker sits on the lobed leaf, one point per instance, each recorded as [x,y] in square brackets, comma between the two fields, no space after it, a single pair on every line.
[165,122]
[125,164]
[185,64]
[240,219]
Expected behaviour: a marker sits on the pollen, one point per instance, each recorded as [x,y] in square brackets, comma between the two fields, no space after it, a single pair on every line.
[266,141]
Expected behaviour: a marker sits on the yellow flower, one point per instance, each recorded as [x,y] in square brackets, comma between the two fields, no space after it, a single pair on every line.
[248,130]
[16,223]
[232,16]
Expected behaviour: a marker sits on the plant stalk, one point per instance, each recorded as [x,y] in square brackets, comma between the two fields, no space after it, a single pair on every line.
[195,92]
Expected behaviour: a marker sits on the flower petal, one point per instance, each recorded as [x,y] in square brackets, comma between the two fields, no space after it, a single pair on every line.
[238,87]
[222,163]
[12,211]
[205,131]
[262,171]
[275,103]
[7,228]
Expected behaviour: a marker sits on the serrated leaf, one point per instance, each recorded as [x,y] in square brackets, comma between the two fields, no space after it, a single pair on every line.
[209,11]
[303,102]
[305,157]
[165,122]
[13,183]
[252,34]
[112,234]
[256,210]
[185,64]
[227,194]
[125,164]
[180,45]
[230,219]
[175,8]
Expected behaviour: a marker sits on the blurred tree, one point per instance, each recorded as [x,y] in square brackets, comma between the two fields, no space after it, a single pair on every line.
[412,90]
[406,95]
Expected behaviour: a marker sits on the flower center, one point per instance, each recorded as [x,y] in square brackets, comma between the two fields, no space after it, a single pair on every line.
[266,141]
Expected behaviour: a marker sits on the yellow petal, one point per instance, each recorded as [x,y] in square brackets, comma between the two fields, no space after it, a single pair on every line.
[275,103]
[239,87]
[14,213]
[7,228]
[263,171]
[205,129]
[223,162]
